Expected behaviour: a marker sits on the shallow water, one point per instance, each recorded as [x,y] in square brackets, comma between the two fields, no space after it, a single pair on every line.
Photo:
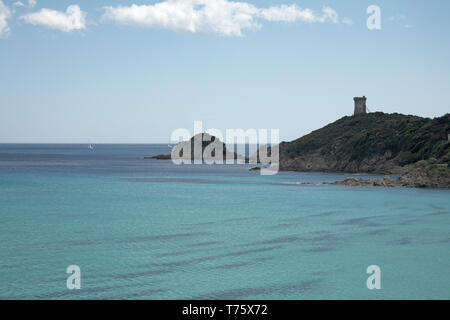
[147,229]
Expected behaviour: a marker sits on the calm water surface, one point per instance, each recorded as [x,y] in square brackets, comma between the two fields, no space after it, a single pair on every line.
[147,229]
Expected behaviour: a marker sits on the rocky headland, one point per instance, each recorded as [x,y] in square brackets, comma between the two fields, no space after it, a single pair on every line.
[413,149]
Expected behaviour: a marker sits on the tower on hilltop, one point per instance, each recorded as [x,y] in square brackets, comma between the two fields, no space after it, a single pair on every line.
[360,105]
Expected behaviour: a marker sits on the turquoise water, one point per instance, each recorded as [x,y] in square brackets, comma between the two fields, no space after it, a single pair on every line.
[147,229]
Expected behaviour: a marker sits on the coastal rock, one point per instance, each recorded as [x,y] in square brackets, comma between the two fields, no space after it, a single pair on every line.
[160,157]
[382,182]
[423,174]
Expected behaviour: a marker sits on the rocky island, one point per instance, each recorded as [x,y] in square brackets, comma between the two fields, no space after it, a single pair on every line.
[207,140]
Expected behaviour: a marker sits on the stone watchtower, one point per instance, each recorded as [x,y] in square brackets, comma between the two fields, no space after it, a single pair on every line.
[360,105]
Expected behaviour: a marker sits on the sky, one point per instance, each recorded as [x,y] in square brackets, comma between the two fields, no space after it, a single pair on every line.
[107,71]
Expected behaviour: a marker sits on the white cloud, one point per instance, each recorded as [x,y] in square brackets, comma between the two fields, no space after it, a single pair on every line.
[5,14]
[329,13]
[18,4]
[72,19]
[222,17]
[31,4]
[193,16]
[408,26]
[286,13]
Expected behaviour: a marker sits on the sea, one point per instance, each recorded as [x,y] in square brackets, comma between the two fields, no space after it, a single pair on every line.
[149,229]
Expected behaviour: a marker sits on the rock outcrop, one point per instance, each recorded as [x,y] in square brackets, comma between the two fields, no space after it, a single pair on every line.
[210,145]
[160,157]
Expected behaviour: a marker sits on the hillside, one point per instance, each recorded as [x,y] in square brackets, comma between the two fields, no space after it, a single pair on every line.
[372,143]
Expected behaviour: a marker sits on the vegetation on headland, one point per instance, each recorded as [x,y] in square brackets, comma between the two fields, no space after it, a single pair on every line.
[373,143]
[415,149]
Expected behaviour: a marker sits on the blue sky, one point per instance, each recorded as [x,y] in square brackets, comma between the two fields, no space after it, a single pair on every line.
[110,79]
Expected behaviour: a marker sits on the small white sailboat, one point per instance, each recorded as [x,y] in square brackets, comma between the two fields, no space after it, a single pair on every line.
[169,146]
[90,147]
